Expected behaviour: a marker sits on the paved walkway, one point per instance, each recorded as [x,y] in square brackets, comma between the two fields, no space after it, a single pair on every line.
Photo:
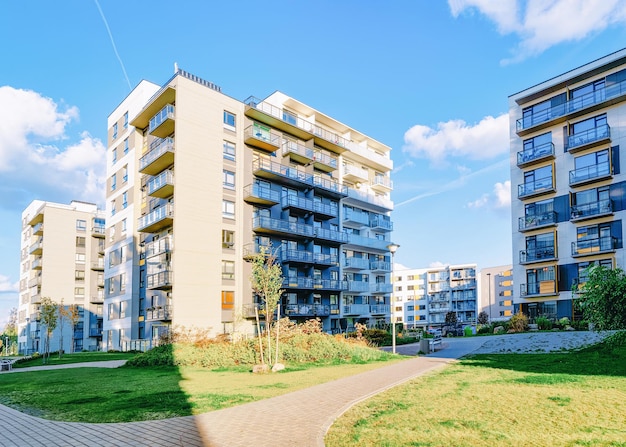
[301,418]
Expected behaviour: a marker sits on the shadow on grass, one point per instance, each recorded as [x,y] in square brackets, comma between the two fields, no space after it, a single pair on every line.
[600,360]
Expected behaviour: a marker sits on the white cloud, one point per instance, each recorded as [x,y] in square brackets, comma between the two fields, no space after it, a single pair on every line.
[541,24]
[487,139]
[38,159]
[499,198]
[6,285]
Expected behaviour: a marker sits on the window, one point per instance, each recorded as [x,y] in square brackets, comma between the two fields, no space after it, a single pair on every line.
[79,275]
[229,120]
[124,309]
[125,120]
[114,312]
[228,300]
[125,146]
[125,173]
[80,258]
[80,241]
[115,131]
[124,199]
[113,182]
[229,150]
[123,225]
[290,117]
[228,239]
[228,269]
[229,179]
[591,166]
[122,282]
[537,180]
[540,246]
[228,209]
[114,157]
[112,207]
[537,147]
[79,292]
[81,225]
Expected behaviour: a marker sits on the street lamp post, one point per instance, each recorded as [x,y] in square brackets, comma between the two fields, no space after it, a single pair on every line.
[489,296]
[392,249]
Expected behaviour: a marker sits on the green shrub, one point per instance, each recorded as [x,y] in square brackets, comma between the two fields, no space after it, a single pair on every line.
[543,323]
[616,340]
[467,332]
[486,329]
[518,323]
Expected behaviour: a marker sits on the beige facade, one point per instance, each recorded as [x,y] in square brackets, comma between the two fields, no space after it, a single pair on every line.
[63,259]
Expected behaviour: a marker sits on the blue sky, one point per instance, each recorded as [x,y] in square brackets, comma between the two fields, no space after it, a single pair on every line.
[430,78]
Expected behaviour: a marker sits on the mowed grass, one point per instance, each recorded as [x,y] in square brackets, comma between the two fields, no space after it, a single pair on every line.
[135,394]
[564,399]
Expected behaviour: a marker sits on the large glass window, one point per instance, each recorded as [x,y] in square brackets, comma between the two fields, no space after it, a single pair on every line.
[537,147]
[591,166]
[229,150]
[230,120]
[228,209]
[228,269]
[537,180]
[228,179]
[290,117]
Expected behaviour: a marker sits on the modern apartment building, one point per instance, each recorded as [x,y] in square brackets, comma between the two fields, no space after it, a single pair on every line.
[62,258]
[423,297]
[568,207]
[496,292]
[207,181]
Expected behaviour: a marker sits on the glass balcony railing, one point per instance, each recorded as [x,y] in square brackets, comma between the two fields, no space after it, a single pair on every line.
[311,283]
[330,235]
[536,153]
[356,263]
[535,187]
[259,194]
[162,151]
[163,183]
[592,209]
[306,310]
[588,173]
[546,287]
[356,309]
[324,160]
[291,255]
[355,217]
[157,219]
[380,223]
[282,226]
[382,183]
[529,255]
[163,313]
[325,259]
[379,244]
[159,246]
[531,221]
[574,105]
[380,201]
[381,288]
[379,309]
[381,266]
[165,114]
[592,246]
[358,286]
[579,139]
[326,209]
[263,137]
[297,151]
[160,280]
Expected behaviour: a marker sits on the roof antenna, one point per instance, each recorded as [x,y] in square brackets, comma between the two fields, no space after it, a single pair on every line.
[175,67]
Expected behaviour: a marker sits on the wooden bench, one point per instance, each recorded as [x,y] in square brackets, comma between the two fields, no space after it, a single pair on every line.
[436,340]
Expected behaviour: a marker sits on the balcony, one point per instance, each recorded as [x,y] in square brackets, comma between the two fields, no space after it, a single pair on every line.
[439,309]
[280,227]
[325,259]
[535,188]
[95,332]
[158,246]
[289,201]
[159,157]
[98,231]
[594,246]
[590,174]
[38,229]
[378,203]
[380,309]
[328,235]
[380,266]
[536,154]
[355,218]
[289,175]
[438,297]
[306,310]
[572,108]
[382,184]
[37,247]
[156,220]
[160,281]
[584,140]
[534,221]
[371,243]
[36,281]
[542,254]
[329,140]
[98,298]
[296,256]
[260,195]
[162,124]
[297,152]
[356,309]
[161,186]
[159,313]
[381,288]
[591,210]
[275,117]
[539,289]
[370,156]
[354,174]
[316,284]
[352,264]
[98,265]
[325,210]
[262,137]
[329,187]
[358,286]
[324,161]
[380,223]
[36,264]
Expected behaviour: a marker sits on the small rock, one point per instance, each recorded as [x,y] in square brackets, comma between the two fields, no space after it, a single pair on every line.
[278,367]
[260,369]
[498,330]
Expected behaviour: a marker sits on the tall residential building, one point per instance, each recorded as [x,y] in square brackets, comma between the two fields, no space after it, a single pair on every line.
[200,181]
[63,259]
[423,297]
[568,206]
[496,292]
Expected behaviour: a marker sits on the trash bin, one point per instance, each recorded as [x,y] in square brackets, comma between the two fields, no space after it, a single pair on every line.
[425,345]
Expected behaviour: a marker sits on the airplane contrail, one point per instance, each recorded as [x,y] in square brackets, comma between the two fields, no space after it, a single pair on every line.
[113,43]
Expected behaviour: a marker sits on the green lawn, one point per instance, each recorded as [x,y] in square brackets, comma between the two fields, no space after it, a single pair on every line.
[564,399]
[135,394]
[79,357]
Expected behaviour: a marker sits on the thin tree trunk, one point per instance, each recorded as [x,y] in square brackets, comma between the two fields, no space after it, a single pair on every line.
[258,328]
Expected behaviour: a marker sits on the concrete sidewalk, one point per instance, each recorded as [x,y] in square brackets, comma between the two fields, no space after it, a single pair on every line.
[301,418]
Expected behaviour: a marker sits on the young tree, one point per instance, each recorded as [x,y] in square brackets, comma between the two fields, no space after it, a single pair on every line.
[451,318]
[11,328]
[48,311]
[267,279]
[602,298]
[483,318]
[61,317]
[73,315]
